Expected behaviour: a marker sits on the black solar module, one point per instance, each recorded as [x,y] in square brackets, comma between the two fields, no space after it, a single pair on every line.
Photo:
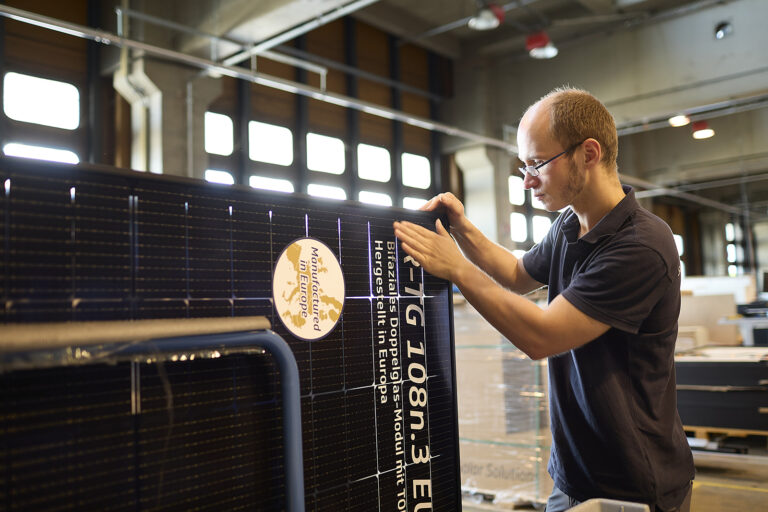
[374,349]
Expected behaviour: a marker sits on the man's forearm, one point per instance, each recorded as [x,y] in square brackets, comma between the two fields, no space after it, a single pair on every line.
[515,317]
[490,257]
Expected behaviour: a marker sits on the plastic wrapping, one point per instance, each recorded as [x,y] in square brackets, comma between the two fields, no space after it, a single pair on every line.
[504,436]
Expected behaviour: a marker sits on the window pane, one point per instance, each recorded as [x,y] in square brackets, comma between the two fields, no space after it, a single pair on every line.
[373,163]
[516,190]
[540,227]
[518,229]
[730,251]
[413,203]
[682,268]
[216,176]
[40,153]
[729,232]
[270,184]
[679,244]
[417,172]
[325,154]
[41,101]
[518,253]
[374,198]
[219,134]
[270,143]
[733,271]
[326,191]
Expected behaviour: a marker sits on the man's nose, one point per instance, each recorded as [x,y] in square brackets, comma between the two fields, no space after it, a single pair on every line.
[530,181]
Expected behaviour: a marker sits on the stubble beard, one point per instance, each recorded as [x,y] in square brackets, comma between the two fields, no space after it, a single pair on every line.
[575,183]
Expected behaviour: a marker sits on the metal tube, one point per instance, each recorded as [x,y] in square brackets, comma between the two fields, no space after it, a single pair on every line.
[103,37]
[290,388]
[297,31]
[285,59]
[656,190]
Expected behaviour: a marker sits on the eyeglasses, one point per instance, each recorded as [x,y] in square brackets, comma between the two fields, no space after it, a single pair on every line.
[533,170]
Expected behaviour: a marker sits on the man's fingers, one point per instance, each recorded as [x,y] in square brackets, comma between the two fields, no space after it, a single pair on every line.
[410,229]
[440,229]
[412,239]
[413,253]
[430,205]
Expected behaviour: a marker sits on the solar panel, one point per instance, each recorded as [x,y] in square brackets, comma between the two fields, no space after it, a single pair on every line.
[82,243]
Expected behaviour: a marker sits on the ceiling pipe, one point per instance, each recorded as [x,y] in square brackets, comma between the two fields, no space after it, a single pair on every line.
[108,38]
[267,54]
[711,111]
[656,190]
[297,31]
[464,21]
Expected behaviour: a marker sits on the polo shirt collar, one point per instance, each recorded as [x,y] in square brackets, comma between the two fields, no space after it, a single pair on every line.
[608,225]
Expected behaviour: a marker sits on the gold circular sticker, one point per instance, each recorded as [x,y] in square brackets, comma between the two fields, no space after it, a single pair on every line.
[308,289]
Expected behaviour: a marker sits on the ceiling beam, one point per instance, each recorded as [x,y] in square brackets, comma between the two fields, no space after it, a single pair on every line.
[598,6]
[402,24]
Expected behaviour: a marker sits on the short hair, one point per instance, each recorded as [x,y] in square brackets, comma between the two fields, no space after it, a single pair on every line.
[576,115]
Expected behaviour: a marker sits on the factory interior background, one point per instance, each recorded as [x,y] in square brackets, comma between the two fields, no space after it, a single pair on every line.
[389,102]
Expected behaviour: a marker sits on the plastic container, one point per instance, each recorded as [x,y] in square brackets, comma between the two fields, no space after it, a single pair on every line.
[604,505]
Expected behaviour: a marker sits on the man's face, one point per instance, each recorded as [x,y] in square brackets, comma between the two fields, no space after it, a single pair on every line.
[559,182]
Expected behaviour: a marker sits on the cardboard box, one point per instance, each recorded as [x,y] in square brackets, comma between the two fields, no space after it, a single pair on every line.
[706,311]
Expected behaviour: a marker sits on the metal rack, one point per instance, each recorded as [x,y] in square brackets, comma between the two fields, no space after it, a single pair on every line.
[24,346]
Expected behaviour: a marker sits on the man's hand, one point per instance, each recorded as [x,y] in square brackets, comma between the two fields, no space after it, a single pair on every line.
[452,207]
[436,252]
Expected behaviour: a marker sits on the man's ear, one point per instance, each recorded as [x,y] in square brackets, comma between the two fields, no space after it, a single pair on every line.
[593,151]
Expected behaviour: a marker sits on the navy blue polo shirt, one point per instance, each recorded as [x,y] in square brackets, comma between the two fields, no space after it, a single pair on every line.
[616,432]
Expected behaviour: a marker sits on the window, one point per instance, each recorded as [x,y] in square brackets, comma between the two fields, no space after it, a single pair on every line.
[40,153]
[733,270]
[518,253]
[516,190]
[270,184]
[217,176]
[373,163]
[374,198]
[326,191]
[540,226]
[325,154]
[732,232]
[537,204]
[41,101]
[270,143]
[219,134]
[416,171]
[518,227]
[413,203]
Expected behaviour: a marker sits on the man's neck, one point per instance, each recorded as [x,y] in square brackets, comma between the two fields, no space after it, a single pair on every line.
[596,201]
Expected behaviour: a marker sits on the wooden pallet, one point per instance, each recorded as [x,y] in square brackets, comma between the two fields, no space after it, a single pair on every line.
[712,432]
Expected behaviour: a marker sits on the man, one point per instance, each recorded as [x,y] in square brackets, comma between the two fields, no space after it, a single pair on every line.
[610,326]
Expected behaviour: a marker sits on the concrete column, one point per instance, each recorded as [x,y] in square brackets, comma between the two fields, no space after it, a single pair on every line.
[480,189]
[163,138]
[200,93]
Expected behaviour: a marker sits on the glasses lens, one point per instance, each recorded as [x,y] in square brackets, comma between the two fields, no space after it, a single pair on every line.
[528,169]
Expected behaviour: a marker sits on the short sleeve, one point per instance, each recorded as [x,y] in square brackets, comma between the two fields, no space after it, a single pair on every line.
[620,286]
